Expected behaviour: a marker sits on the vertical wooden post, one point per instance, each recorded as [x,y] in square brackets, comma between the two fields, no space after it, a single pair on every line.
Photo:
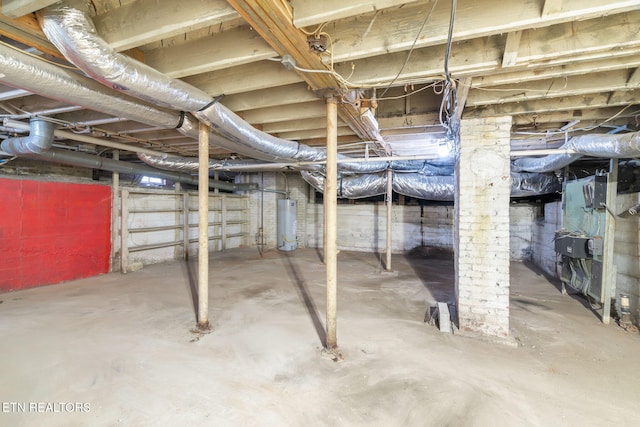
[216,176]
[389,205]
[223,220]
[185,224]
[178,204]
[609,268]
[330,218]
[203,227]
[115,212]
[124,231]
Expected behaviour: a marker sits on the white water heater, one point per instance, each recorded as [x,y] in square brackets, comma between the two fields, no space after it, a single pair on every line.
[287,225]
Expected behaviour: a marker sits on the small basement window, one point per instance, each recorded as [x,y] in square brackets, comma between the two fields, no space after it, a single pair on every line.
[152,181]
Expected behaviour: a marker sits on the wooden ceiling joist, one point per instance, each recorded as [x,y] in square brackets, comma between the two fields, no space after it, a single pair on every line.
[273,20]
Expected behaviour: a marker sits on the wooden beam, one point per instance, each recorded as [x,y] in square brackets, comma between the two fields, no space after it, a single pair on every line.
[594,39]
[633,80]
[17,8]
[272,97]
[244,78]
[273,20]
[473,20]
[578,66]
[609,81]
[569,103]
[314,133]
[297,125]
[585,116]
[145,21]
[511,49]
[409,120]
[285,112]
[463,87]
[551,7]
[26,30]
[227,49]
[312,12]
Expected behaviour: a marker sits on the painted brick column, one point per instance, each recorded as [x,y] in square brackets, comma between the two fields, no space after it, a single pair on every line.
[483,187]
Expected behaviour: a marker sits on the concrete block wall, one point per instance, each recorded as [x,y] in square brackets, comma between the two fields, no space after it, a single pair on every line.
[264,204]
[362,227]
[482,226]
[544,230]
[521,220]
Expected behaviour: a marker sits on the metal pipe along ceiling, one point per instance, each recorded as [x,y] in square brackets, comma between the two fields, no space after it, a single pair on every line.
[95,162]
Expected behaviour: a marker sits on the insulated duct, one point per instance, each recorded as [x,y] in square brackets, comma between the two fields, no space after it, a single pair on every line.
[436,188]
[191,164]
[69,27]
[39,77]
[72,158]
[595,145]
[40,139]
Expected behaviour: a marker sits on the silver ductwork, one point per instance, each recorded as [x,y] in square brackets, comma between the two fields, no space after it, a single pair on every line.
[39,77]
[69,27]
[72,158]
[191,164]
[595,145]
[40,139]
[436,188]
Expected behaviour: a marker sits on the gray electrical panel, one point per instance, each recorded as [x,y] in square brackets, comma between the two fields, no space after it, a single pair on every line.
[580,242]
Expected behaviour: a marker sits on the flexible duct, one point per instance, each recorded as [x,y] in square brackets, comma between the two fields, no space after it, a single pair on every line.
[40,139]
[595,145]
[39,77]
[436,188]
[191,164]
[69,27]
[72,158]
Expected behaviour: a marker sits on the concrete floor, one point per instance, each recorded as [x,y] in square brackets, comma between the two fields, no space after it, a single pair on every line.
[122,344]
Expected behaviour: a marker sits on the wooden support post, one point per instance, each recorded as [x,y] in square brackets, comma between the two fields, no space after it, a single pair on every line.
[115,215]
[185,224]
[330,218]
[223,220]
[124,231]
[216,176]
[203,228]
[178,204]
[389,205]
[609,268]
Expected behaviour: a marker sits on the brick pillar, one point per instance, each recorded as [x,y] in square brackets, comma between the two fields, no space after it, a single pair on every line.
[483,186]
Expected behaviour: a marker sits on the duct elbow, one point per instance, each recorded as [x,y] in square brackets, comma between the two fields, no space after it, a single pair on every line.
[40,139]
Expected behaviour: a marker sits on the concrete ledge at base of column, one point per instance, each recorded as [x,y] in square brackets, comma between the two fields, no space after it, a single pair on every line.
[508,341]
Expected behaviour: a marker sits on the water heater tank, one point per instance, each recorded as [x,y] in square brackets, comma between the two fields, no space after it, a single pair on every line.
[287,225]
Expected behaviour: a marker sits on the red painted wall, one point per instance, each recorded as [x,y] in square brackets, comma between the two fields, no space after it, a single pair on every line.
[51,232]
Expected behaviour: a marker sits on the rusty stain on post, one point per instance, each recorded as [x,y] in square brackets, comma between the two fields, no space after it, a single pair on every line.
[203,228]
[330,217]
